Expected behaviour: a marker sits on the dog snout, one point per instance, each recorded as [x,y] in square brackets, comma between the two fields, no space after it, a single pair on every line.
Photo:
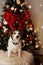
[17,36]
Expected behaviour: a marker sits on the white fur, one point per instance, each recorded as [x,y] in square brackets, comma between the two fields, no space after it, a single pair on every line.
[12,47]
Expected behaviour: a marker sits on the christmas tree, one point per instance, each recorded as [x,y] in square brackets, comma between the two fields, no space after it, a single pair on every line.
[16,16]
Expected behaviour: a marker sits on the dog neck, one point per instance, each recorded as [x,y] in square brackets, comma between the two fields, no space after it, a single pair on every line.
[13,41]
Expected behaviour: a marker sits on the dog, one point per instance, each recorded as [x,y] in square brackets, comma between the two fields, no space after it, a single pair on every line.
[14,43]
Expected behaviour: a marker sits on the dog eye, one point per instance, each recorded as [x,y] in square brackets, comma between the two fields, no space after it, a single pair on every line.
[14,33]
[19,33]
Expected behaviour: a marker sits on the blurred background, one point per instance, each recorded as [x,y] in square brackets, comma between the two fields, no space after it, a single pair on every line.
[36,12]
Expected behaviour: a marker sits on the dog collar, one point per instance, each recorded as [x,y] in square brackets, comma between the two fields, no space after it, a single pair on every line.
[14,43]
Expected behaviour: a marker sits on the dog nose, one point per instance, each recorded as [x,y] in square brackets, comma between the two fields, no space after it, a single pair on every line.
[17,36]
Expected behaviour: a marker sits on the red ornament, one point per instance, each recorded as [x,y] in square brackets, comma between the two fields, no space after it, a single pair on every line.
[30,38]
[8,9]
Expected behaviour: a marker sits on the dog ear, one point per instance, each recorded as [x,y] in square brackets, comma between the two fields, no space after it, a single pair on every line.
[11,32]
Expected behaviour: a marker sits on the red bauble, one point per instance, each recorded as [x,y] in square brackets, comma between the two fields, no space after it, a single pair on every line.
[30,38]
[8,9]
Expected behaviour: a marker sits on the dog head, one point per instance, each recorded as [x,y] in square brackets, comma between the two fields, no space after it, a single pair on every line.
[16,36]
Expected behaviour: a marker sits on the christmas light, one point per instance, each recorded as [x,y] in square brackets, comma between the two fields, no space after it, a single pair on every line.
[42,27]
[29,6]
[37,46]
[0,43]
[41,5]
[18,1]
[31,28]
[27,35]
[23,41]
[27,44]
[35,31]
[15,9]
[42,46]
[5,29]
[26,22]
[3,2]
[35,38]
[40,42]
[28,30]
[30,42]
[5,22]
[31,25]
[21,10]
[7,6]
[23,4]
[12,8]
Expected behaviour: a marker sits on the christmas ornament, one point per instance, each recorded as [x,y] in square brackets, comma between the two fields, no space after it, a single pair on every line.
[26,22]
[39,41]
[4,22]
[8,9]
[35,38]
[15,9]
[30,38]
[36,46]
[23,41]
[24,3]
[30,42]
[27,44]
[27,26]
[7,6]
[31,28]
[5,29]
[18,1]
[21,10]
[27,35]
[12,8]
[35,31]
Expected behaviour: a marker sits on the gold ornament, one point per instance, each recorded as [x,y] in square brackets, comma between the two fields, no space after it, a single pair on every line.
[23,4]
[15,9]
[36,30]
[18,1]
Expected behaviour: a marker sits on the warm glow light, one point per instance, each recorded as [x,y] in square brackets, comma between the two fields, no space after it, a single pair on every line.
[3,2]
[34,31]
[29,6]
[42,27]
[41,5]
[7,6]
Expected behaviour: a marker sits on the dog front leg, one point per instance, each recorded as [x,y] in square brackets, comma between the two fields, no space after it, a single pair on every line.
[9,53]
[19,52]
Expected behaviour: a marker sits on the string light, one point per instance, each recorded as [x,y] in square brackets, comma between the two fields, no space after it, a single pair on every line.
[29,6]
[12,8]
[3,2]
[41,5]
[42,27]
[7,6]
[27,35]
